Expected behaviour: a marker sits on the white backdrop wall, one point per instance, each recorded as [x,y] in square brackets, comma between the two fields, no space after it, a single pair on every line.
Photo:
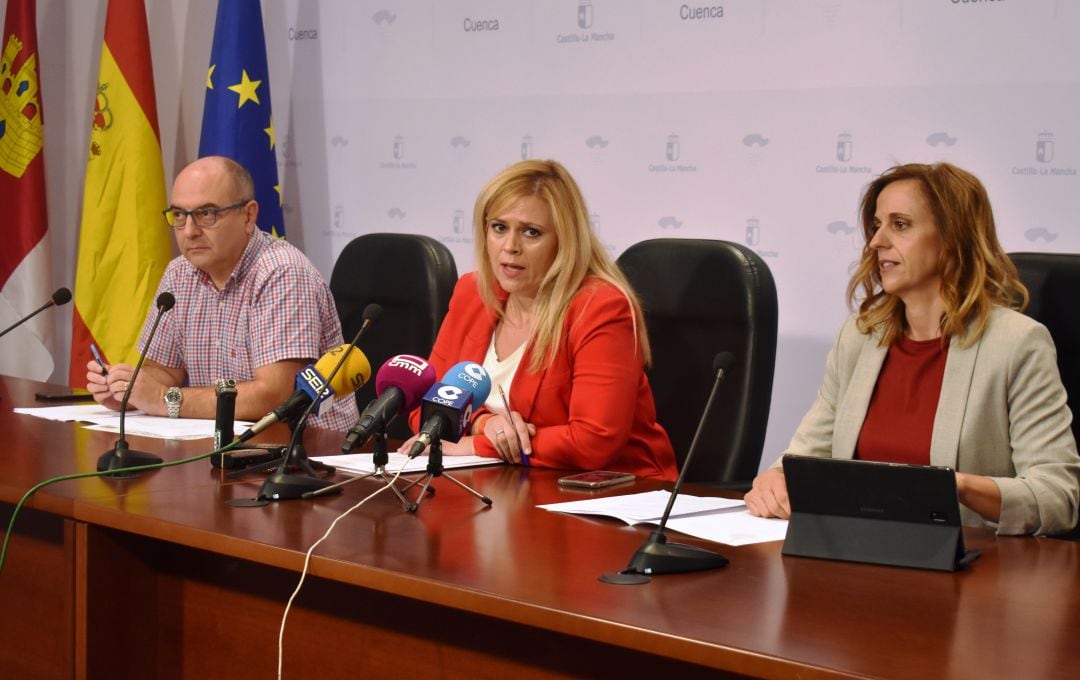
[756,121]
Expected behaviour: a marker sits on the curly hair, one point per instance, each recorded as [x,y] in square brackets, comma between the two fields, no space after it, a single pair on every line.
[976,274]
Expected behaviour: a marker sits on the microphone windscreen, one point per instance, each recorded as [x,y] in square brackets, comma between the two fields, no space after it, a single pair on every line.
[352,375]
[413,375]
[372,312]
[165,301]
[470,376]
[723,361]
[62,296]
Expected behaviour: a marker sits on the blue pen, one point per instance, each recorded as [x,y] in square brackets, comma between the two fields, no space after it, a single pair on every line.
[98,358]
[510,417]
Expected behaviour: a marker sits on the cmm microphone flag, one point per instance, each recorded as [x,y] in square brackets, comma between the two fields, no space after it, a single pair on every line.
[25,265]
[237,119]
[124,243]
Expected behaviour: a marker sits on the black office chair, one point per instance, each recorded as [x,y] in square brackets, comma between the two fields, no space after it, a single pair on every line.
[702,297]
[1053,281]
[412,277]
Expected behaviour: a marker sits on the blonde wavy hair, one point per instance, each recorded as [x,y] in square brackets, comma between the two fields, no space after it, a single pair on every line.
[579,255]
[976,274]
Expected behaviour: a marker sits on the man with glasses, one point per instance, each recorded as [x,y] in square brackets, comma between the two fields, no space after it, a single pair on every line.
[249,308]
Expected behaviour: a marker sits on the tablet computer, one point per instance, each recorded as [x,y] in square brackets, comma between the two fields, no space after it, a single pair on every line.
[885,513]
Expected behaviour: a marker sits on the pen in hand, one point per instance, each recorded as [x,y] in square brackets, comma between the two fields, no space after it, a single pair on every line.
[101,360]
[510,417]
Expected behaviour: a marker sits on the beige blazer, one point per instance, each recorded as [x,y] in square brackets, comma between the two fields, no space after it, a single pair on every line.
[1001,414]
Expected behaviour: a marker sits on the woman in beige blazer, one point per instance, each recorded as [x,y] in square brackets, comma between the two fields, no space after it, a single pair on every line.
[933,270]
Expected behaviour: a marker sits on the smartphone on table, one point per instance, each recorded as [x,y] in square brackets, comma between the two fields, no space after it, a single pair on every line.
[597,479]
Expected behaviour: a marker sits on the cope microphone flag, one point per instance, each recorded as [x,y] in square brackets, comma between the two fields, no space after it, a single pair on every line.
[448,406]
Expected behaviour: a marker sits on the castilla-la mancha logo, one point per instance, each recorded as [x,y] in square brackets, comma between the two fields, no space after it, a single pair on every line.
[20,110]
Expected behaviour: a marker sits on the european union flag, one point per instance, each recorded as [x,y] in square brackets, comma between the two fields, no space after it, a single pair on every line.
[237,121]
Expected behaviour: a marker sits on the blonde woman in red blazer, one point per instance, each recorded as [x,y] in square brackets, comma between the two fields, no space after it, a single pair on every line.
[548,309]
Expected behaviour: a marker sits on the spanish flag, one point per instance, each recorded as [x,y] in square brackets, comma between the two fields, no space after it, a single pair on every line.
[25,265]
[124,242]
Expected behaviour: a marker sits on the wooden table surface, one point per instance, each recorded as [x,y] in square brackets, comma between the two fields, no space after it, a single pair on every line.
[1014,613]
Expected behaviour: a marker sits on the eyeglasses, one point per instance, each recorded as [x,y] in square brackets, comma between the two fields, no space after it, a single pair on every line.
[205,218]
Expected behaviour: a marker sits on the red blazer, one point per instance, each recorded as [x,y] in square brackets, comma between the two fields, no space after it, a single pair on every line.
[593,408]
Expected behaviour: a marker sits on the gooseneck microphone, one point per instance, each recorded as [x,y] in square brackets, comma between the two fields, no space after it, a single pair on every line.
[656,555]
[120,456]
[62,296]
[346,363]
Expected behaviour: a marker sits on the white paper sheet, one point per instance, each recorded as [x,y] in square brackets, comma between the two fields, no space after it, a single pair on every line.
[364,462]
[722,520]
[136,422]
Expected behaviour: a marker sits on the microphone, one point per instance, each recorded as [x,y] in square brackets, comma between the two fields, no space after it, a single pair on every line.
[400,385]
[448,405]
[120,456]
[312,388]
[62,296]
[656,555]
[225,412]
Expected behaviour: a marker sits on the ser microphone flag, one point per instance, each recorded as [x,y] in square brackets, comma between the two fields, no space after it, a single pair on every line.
[311,386]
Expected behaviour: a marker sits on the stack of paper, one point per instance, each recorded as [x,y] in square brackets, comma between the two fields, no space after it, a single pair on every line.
[714,519]
[136,422]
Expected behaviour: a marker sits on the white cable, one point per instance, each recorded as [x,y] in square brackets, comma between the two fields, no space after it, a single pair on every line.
[307,561]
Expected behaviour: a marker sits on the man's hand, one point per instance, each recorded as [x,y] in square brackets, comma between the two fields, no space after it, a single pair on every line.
[148,394]
[98,385]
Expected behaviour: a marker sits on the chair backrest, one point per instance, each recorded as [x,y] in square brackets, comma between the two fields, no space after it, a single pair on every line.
[702,297]
[412,277]
[1053,281]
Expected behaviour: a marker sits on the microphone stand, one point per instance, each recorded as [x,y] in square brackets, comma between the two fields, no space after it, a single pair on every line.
[435,469]
[120,456]
[656,555]
[380,459]
[283,485]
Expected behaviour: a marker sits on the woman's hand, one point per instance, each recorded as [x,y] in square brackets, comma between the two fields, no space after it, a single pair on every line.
[980,494]
[510,442]
[768,497]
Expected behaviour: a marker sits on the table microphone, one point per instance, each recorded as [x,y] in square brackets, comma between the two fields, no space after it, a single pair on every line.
[283,485]
[62,296]
[120,456]
[656,555]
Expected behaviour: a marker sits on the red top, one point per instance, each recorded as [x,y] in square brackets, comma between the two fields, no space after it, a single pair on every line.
[593,407]
[899,423]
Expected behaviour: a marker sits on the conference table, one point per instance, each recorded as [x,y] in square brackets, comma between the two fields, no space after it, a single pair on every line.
[158,577]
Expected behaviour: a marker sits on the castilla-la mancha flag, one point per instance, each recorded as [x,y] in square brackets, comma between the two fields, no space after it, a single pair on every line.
[124,242]
[24,256]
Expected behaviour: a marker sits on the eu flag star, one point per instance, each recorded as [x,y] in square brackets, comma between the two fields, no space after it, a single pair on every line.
[247,89]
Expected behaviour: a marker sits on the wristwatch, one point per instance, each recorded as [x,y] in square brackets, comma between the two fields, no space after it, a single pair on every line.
[173,398]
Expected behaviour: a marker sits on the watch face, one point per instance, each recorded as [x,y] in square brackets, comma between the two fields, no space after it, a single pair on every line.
[172,394]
